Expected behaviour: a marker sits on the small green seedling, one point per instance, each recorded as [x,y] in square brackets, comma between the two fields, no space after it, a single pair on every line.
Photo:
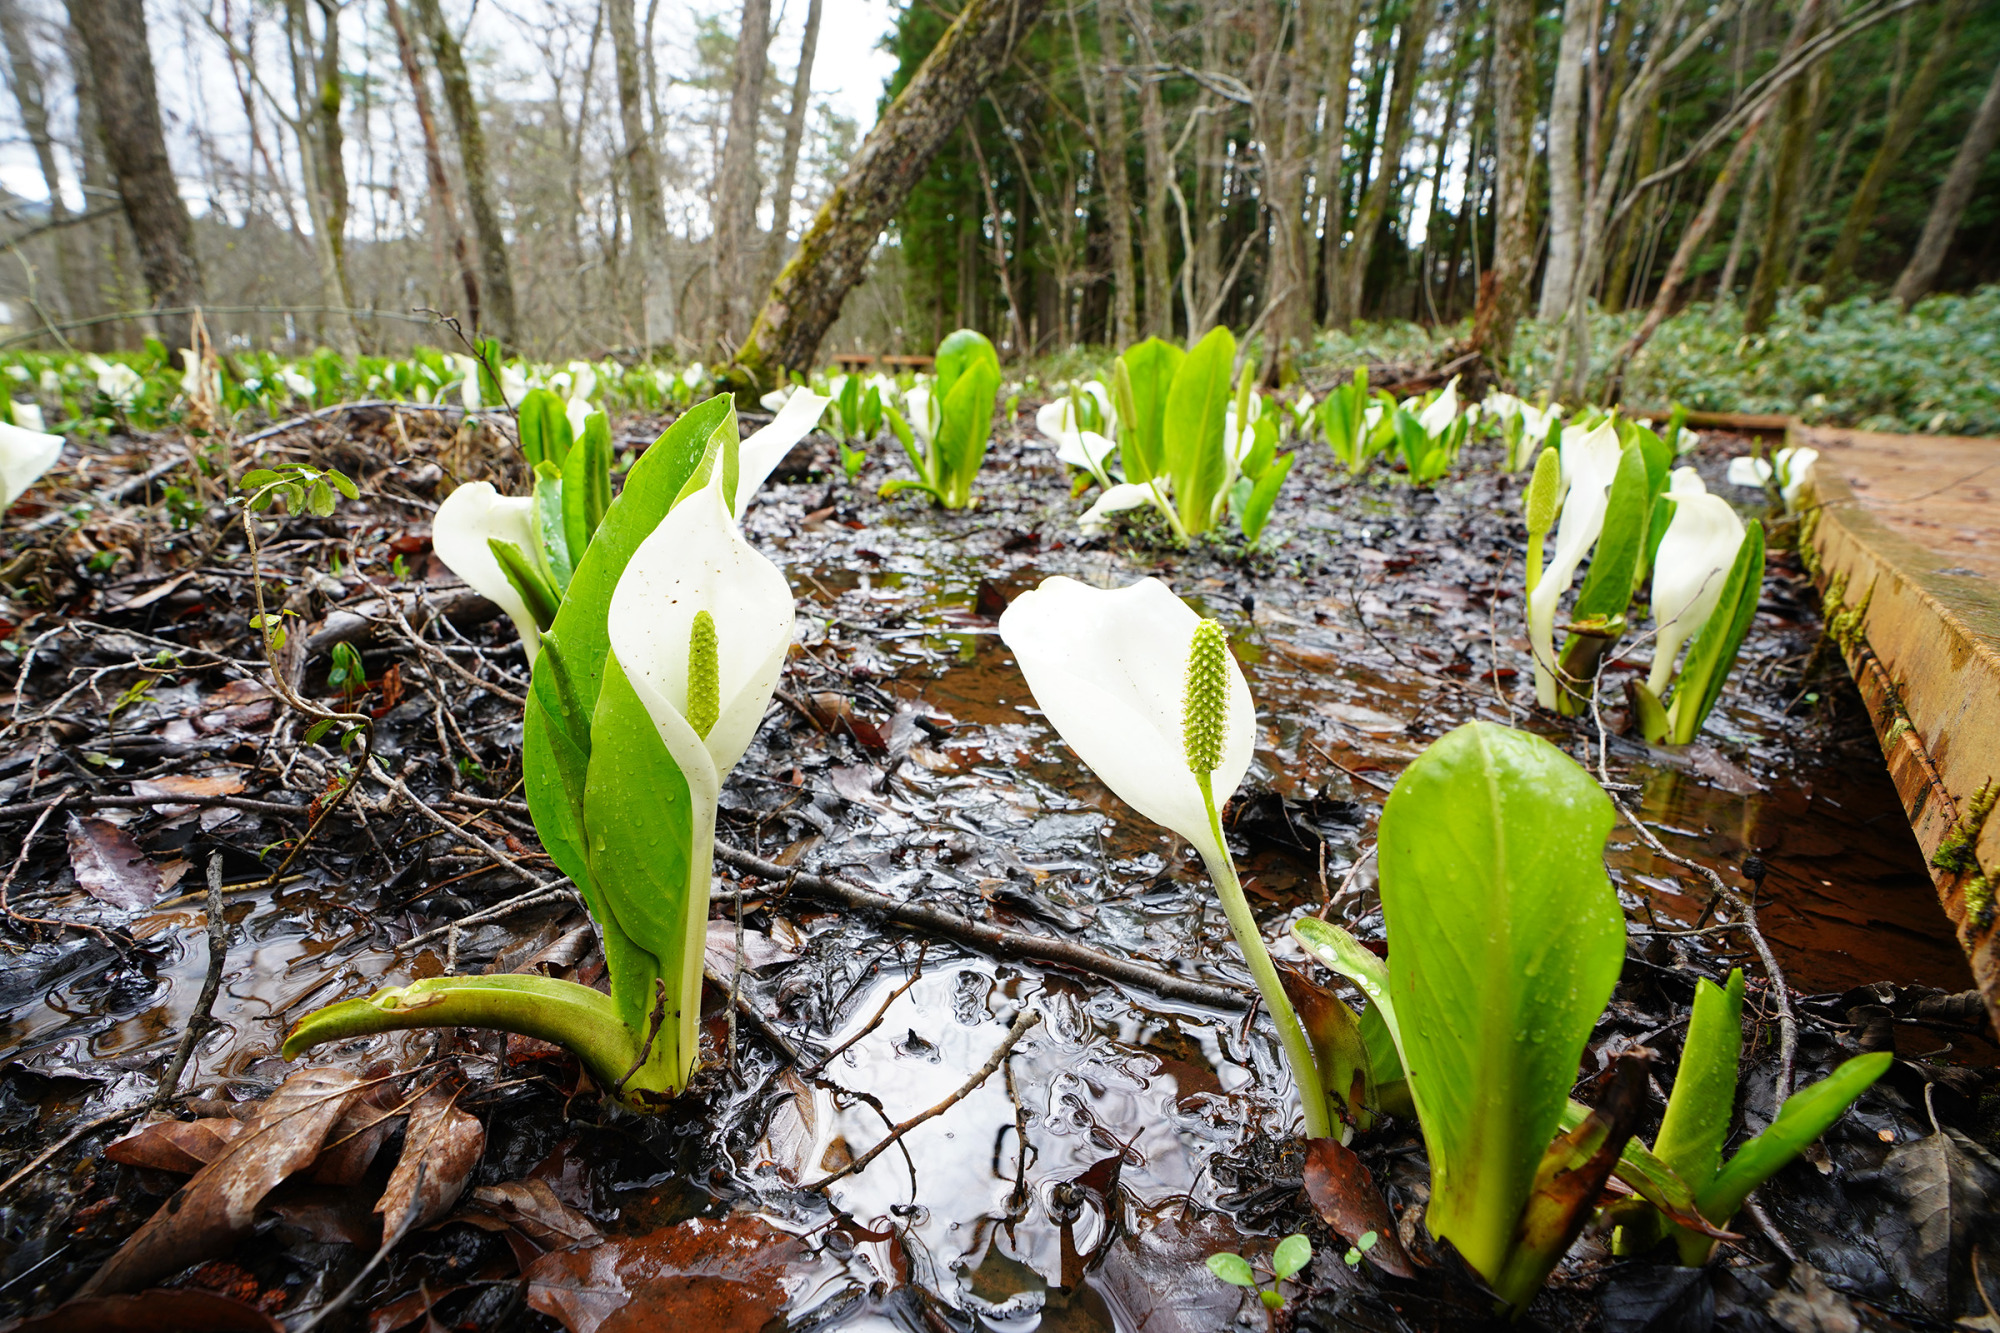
[1294,1252]
[347,673]
[1362,1244]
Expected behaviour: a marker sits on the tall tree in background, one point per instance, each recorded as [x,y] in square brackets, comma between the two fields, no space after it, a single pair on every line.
[1952,197]
[316,85]
[642,181]
[833,254]
[443,207]
[1160,169]
[127,104]
[1343,18]
[1789,164]
[496,272]
[1107,127]
[1374,210]
[1504,293]
[108,259]
[1565,165]
[25,77]
[795,133]
[736,186]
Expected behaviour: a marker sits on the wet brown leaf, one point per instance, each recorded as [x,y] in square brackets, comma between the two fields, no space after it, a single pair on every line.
[1343,1193]
[417,1305]
[759,950]
[175,1145]
[363,1128]
[1946,1188]
[447,1142]
[110,867]
[531,1208]
[156,1311]
[1156,1277]
[183,786]
[719,1276]
[792,1131]
[285,1135]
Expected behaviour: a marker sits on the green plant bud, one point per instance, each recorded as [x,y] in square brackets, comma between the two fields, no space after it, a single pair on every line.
[1544,493]
[704,679]
[1205,703]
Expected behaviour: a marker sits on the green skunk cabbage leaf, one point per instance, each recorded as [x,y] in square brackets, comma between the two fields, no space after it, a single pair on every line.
[1650,1178]
[1805,1116]
[586,485]
[1714,652]
[549,523]
[1507,940]
[563,697]
[544,427]
[1336,950]
[641,822]
[1257,508]
[1607,589]
[966,428]
[1192,451]
[1149,369]
[958,353]
[1704,1095]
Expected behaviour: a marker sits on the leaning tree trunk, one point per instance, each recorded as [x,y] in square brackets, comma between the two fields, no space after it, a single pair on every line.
[795,133]
[1565,170]
[833,254]
[736,247]
[642,175]
[1896,139]
[495,271]
[128,117]
[442,203]
[29,97]
[1502,300]
[1949,206]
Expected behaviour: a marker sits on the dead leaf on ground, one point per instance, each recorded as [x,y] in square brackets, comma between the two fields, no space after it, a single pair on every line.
[363,1128]
[175,1145]
[531,1208]
[1946,1188]
[722,1275]
[1155,1277]
[792,1132]
[1343,1193]
[759,950]
[155,1311]
[220,1203]
[110,867]
[446,1142]
[185,787]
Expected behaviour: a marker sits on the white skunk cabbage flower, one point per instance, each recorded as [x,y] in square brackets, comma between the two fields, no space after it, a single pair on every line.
[1116,499]
[1443,410]
[468,384]
[298,385]
[1696,553]
[1794,466]
[695,373]
[28,416]
[925,411]
[582,379]
[578,411]
[1109,670]
[1087,449]
[1589,462]
[469,518]
[764,450]
[116,380]
[24,456]
[774,401]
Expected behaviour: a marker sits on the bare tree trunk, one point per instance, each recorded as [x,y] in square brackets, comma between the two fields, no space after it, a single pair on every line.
[1375,205]
[113,33]
[1159,172]
[443,206]
[833,254]
[1949,206]
[1108,128]
[795,133]
[737,189]
[1896,137]
[108,267]
[1565,169]
[316,90]
[1613,297]
[642,174]
[1282,129]
[29,97]
[1342,21]
[496,270]
[1501,302]
[1788,179]
[1746,214]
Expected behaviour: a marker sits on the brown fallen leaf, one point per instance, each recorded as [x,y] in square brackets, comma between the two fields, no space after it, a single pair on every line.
[531,1208]
[155,1311]
[354,1140]
[110,867]
[446,1142]
[759,950]
[220,1203]
[723,1275]
[1343,1193]
[175,1145]
[185,786]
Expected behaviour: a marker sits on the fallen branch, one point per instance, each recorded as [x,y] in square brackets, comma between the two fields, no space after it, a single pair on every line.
[203,1017]
[992,939]
[1026,1019]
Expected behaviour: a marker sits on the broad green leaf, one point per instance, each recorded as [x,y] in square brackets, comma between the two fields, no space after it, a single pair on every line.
[641,822]
[544,427]
[1704,1095]
[1607,589]
[1805,1116]
[1699,684]
[586,486]
[1257,509]
[1192,450]
[1650,1178]
[542,599]
[1233,1269]
[1148,370]
[1292,1254]
[905,437]
[871,412]
[967,425]
[1507,940]
[958,353]
[1263,446]
[549,523]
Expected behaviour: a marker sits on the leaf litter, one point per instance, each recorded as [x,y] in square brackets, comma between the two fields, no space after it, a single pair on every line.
[1127,1139]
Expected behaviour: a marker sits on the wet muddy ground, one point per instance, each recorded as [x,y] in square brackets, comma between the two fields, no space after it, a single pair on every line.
[1127,1136]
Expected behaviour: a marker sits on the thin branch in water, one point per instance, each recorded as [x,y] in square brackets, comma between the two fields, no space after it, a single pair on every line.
[203,1017]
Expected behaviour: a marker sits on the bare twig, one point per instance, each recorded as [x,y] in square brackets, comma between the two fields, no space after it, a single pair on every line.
[653,1023]
[916,974]
[533,898]
[203,1017]
[1026,1019]
[41,1158]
